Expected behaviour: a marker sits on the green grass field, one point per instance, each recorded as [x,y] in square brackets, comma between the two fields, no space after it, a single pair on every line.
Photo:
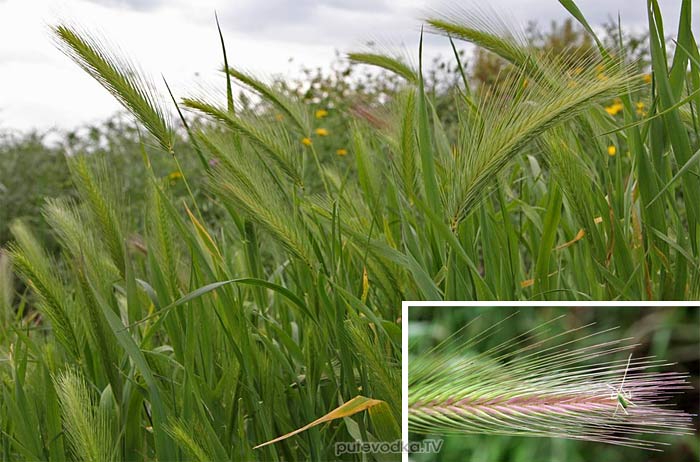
[249,281]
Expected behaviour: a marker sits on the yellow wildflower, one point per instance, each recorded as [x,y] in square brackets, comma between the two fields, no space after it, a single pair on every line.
[173,176]
[321,132]
[321,113]
[342,152]
[646,78]
[600,69]
[614,108]
[612,150]
[641,108]
[306,141]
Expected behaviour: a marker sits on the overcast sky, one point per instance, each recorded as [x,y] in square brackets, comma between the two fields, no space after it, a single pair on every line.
[41,88]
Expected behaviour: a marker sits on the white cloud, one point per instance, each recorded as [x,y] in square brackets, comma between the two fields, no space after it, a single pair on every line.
[144,5]
[42,88]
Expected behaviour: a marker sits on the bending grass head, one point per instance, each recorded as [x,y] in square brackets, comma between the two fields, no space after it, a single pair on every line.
[121,78]
[544,390]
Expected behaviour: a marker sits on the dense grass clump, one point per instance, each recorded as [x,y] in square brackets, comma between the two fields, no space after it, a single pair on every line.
[256,288]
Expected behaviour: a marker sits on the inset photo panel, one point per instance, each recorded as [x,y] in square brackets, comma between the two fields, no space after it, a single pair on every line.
[551,383]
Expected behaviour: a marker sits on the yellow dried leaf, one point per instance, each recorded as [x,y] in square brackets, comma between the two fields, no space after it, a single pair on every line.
[357,404]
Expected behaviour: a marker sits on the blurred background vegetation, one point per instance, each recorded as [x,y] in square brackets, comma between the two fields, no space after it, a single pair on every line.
[33,165]
[669,333]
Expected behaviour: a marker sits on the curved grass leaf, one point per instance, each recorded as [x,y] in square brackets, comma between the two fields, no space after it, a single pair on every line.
[352,407]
